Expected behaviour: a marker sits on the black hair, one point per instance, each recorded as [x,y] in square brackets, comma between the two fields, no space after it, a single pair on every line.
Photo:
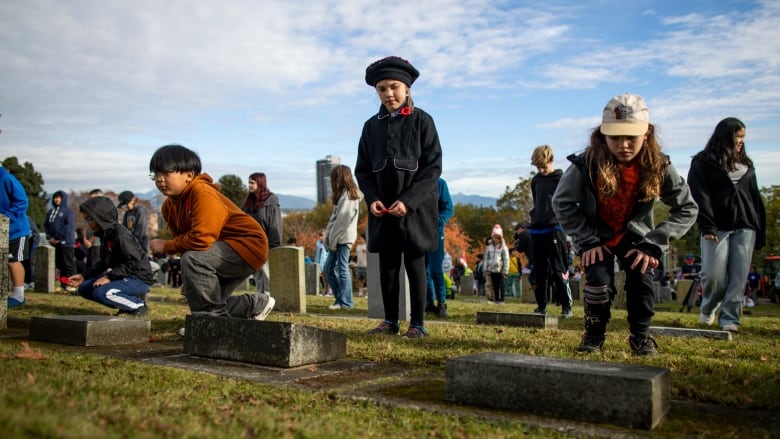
[721,147]
[175,158]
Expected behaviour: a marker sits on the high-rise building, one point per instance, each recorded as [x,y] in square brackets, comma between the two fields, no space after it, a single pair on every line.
[324,166]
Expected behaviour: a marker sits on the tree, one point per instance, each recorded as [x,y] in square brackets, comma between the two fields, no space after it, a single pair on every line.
[32,181]
[518,199]
[476,222]
[233,187]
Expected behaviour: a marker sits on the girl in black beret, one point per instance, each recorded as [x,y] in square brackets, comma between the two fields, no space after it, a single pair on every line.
[398,164]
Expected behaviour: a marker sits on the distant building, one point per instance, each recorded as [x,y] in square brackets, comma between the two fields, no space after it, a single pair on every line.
[324,166]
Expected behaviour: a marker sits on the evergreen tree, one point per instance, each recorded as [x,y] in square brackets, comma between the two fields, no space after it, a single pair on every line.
[233,187]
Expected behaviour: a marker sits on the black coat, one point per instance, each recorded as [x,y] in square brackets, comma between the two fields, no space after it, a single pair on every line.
[399,158]
[724,205]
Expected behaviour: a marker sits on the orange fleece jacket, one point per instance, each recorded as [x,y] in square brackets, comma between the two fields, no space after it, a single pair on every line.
[201,215]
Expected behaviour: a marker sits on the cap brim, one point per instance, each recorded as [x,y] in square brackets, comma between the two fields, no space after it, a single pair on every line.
[624,129]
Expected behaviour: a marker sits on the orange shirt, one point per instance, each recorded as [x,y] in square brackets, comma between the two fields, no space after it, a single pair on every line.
[201,215]
[616,211]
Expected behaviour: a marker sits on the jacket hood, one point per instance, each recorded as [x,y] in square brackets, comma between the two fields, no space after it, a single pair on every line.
[61,194]
[101,210]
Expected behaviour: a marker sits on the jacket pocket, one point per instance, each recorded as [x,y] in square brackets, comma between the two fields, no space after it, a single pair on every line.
[405,164]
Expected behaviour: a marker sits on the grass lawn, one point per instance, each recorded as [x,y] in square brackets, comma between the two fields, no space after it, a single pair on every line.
[720,388]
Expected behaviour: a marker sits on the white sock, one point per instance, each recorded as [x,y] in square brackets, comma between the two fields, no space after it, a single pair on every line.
[18,293]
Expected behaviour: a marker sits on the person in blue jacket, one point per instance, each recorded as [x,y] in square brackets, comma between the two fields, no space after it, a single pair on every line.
[437,290]
[13,204]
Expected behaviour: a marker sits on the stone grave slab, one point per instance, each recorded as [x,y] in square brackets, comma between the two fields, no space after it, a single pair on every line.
[90,330]
[287,279]
[690,332]
[517,319]
[638,396]
[277,344]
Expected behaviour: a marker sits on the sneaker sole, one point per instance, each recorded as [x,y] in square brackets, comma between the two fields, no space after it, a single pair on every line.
[267,310]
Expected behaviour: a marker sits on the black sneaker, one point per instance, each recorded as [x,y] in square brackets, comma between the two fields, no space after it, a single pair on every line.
[566,313]
[643,345]
[540,311]
[430,308]
[140,312]
[591,343]
[385,327]
[443,311]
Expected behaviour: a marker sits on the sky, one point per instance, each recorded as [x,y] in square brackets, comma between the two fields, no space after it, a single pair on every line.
[90,89]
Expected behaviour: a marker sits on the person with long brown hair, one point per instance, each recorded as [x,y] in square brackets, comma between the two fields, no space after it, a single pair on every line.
[732,221]
[340,234]
[604,201]
[263,205]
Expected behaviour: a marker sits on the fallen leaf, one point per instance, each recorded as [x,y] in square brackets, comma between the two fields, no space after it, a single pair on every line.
[28,353]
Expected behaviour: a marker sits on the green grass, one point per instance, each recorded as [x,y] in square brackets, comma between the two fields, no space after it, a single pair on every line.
[78,392]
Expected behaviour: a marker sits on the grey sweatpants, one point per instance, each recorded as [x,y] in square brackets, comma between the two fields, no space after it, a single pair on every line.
[209,277]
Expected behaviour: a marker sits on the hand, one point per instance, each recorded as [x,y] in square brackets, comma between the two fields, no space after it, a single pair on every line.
[397,209]
[157,245]
[102,281]
[709,237]
[593,255]
[75,280]
[642,260]
[378,209]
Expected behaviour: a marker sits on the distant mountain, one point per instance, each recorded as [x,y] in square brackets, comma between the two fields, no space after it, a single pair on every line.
[292,202]
[476,200]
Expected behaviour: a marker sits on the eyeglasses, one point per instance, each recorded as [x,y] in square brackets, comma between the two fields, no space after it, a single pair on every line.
[155,175]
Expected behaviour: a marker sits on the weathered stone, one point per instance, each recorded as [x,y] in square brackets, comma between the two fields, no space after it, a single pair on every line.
[467,285]
[515,319]
[690,332]
[277,344]
[312,279]
[287,279]
[376,309]
[5,275]
[527,291]
[45,281]
[90,330]
[621,394]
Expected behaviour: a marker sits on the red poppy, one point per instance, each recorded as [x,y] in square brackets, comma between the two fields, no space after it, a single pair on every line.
[405,111]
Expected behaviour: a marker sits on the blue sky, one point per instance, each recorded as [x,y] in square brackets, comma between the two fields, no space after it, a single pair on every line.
[90,89]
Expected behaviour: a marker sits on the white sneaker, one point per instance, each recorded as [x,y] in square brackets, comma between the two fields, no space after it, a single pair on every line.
[334,306]
[181,332]
[731,327]
[267,310]
[705,319]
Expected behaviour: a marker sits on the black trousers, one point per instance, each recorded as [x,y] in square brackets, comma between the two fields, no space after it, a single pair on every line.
[549,266]
[389,269]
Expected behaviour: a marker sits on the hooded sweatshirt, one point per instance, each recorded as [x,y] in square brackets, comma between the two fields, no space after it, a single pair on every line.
[121,252]
[60,221]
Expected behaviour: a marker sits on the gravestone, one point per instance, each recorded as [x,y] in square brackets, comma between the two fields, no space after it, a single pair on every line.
[5,276]
[527,293]
[90,330]
[593,391]
[267,343]
[312,279]
[690,332]
[516,319]
[467,285]
[376,309]
[45,281]
[287,279]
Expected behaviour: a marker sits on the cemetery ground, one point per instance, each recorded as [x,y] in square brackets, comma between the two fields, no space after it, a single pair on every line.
[386,387]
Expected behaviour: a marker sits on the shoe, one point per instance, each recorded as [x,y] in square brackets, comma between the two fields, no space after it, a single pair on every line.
[591,343]
[567,314]
[643,345]
[334,306]
[140,312]
[730,327]
[181,332]
[430,308]
[542,311]
[13,303]
[416,331]
[443,311]
[266,310]
[705,319]
[385,327]
[29,286]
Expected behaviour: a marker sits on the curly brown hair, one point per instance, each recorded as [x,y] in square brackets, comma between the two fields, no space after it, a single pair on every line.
[652,166]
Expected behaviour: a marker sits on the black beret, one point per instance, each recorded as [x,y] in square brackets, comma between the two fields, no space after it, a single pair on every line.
[391,67]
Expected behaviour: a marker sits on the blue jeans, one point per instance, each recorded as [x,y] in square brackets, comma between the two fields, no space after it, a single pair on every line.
[337,272]
[124,294]
[724,268]
[437,289]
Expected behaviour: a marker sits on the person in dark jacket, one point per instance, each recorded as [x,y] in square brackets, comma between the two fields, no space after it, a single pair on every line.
[398,165]
[263,205]
[136,218]
[732,221]
[549,241]
[123,275]
[60,229]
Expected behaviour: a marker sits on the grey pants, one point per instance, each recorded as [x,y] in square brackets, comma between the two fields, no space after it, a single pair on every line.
[210,276]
